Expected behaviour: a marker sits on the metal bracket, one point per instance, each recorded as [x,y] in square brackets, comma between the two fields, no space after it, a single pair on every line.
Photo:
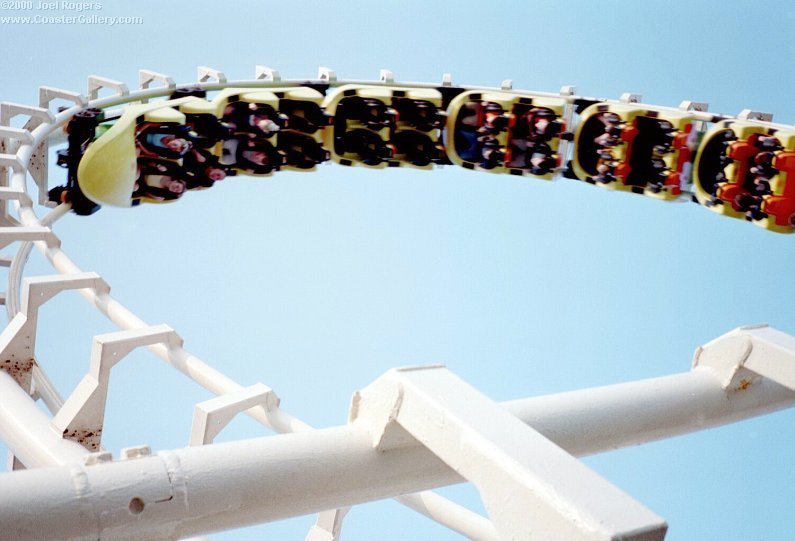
[37,167]
[29,233]
[82,415]
[743,356]
[205,74]
[568,90]
[98,457]
[9,145]
[629,97]
[10,161]
[49,93]
[386,76]
[447,79]
[41,289]
[748,114]
[328,525]
[14,463]
[10,110]
[264,73]
[9,134]
[10,194]
[698,106]
[138,451]
[327,75]
[553,496]
[97,83]
[506,84]
[18,339]
[147,77]
[211,416]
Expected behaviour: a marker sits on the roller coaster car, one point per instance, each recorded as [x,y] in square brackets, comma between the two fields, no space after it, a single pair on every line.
[108,171]
[746,169]
[505,132]
[301,144]
[634,148]
[294,115]
[380,126]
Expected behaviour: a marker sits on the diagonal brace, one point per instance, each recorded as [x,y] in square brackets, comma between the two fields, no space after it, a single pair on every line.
[532,489]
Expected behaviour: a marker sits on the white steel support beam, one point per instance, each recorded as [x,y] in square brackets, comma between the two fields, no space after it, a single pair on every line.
[27,233]
[748,353]
[630,97]
[326,74]
[9,134]
[690,105]
[18,338]
[9,110]
[205,74]
[27,433]
[266,73]
[328,525]
[41,289]
[82,416]
[10,161]
[49,93]
[750,114]
[97,83]
[212,416]
[147,77]
[531,488]
[271,478]
[386,76]
[453,516]
[639,412]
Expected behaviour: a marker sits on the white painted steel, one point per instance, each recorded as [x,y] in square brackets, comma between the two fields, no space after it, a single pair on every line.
[240,483]
[27,432]
[660,408]
[743,355]
[211,416]
[457,518]
[82,416]
[531,488]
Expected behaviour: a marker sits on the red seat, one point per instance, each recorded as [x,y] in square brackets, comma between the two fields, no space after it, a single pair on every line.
[782,207]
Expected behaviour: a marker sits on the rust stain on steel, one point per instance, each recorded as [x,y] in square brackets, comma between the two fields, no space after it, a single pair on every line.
[19,370]
[88,438]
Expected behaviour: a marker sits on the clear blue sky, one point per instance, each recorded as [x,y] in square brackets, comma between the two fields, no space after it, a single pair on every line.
[315,284]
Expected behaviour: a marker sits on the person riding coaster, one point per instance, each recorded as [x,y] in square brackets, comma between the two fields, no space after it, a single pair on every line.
[259,119]
[170,141]
[250,155]
[159,180]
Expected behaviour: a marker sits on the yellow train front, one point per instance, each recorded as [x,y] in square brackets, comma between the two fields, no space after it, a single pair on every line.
[156,152]
[506,132]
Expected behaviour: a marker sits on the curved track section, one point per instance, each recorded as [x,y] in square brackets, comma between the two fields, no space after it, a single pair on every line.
[666,153]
